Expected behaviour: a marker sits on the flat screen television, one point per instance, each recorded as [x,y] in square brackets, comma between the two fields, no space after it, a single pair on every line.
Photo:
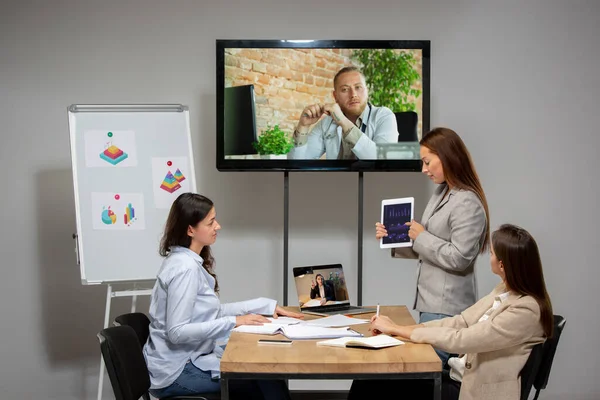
[283,105]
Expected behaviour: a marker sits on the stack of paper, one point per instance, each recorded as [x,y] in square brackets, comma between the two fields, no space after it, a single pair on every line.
[265,329]
[301,331]
[336,321]
[298,331]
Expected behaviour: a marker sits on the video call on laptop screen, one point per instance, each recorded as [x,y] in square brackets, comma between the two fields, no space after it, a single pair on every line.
[332,291]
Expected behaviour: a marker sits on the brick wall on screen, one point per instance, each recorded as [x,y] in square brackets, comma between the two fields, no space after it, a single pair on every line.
[286,80]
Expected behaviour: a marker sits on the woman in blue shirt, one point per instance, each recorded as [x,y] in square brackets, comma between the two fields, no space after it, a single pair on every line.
[186,315]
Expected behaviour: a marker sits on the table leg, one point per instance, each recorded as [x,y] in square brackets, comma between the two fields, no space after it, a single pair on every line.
[224,388]
[437,387]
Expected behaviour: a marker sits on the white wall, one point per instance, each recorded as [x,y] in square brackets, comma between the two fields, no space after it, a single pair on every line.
[517,80]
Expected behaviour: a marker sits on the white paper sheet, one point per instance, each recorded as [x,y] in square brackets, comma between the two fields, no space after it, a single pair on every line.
[337,320]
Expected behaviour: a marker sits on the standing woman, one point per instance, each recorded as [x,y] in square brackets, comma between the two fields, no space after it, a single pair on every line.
[453,231]
[186,315]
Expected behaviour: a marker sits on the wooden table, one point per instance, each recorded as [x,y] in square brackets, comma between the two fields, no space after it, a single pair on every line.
[244,358]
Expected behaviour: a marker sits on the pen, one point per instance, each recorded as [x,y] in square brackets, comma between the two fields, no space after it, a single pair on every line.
[377,310]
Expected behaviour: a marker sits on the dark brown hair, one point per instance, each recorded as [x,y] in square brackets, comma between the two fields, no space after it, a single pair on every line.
[345,70]
[187,210]
[520,256]
[459,171]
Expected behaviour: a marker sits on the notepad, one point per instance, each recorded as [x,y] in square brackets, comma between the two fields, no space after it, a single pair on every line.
[371,342]
[298,331]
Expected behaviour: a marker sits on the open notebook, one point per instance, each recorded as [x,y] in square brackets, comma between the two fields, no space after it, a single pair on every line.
[371,342]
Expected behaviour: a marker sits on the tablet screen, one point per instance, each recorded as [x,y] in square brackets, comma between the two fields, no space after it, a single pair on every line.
[395,213]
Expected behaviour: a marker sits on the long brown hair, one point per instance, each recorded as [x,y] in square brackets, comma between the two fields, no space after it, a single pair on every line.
[187,210]
[459,170]
[520,256]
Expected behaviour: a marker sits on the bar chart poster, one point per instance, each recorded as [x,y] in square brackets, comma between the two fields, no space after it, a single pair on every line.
[118,211]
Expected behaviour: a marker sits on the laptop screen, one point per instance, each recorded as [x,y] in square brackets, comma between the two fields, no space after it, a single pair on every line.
[321,285]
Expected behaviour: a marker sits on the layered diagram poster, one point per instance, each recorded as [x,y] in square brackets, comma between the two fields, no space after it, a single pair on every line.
[169,179]
[118,211]
[104,148]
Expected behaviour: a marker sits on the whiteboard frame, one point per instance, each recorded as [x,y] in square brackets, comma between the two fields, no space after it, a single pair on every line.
[77,108]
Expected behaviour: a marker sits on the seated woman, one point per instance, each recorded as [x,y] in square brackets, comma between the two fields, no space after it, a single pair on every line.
[494,337]
[322,289]
[187,317]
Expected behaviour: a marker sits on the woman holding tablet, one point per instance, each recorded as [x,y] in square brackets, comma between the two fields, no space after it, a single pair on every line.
[454,229]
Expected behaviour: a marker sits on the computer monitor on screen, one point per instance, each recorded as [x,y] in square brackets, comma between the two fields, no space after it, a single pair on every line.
[240,120]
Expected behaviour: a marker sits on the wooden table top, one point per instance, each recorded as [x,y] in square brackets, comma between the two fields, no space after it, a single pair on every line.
[243,354]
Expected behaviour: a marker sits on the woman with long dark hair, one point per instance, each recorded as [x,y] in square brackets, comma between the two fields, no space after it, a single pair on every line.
[454,229]
[186,315]
[494,337]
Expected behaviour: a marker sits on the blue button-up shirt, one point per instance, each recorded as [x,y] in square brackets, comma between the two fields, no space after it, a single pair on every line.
[187,318]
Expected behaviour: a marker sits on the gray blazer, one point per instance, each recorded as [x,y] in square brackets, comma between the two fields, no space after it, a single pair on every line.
[454,232]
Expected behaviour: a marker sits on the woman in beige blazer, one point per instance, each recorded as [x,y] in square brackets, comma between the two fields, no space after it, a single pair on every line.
[453,231]
[494,337]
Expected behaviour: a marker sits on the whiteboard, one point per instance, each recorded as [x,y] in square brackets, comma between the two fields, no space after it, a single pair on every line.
[130,162]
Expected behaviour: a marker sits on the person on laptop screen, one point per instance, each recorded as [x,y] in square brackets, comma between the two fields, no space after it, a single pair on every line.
[347,129]
[322,289]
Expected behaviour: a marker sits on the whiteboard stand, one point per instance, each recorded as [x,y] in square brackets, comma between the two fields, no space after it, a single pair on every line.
[110,293]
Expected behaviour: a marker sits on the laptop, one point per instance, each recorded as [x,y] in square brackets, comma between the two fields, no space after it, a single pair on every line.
[322,291]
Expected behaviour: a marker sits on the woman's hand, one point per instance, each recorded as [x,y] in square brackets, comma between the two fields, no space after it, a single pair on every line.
[415,229]
[251,319]
[380,231]
[382,324]
[282,312]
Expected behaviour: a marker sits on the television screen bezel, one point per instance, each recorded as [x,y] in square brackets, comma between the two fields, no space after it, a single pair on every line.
[224,164]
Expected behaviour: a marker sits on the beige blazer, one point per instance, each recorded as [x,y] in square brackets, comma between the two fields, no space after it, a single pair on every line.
[497,349]
[447,250]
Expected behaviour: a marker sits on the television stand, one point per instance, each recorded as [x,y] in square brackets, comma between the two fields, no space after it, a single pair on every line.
[286,228]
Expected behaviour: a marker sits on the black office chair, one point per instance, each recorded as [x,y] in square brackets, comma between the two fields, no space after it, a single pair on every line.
[329,283]
[536,371]
[139,322]
[408,122]
[126,365]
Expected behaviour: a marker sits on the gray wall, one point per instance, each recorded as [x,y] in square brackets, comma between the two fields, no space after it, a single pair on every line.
[517,80]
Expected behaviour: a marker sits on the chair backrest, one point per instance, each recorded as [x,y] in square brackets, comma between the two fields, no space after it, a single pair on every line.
[139,322]
[530,370]
[536,371]
[408,122]
[124,362]
[541,380]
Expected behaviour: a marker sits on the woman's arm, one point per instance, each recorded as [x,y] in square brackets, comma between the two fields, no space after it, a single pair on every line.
[260,305]
[512,326]
[181,298]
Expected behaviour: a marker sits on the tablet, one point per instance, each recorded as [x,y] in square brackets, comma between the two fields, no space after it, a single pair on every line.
[395,213]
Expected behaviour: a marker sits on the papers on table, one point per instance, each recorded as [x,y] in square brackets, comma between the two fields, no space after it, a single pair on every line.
[298,331]
[302,331]
[336,321]
[264,329]
[334,326]
[284,320]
